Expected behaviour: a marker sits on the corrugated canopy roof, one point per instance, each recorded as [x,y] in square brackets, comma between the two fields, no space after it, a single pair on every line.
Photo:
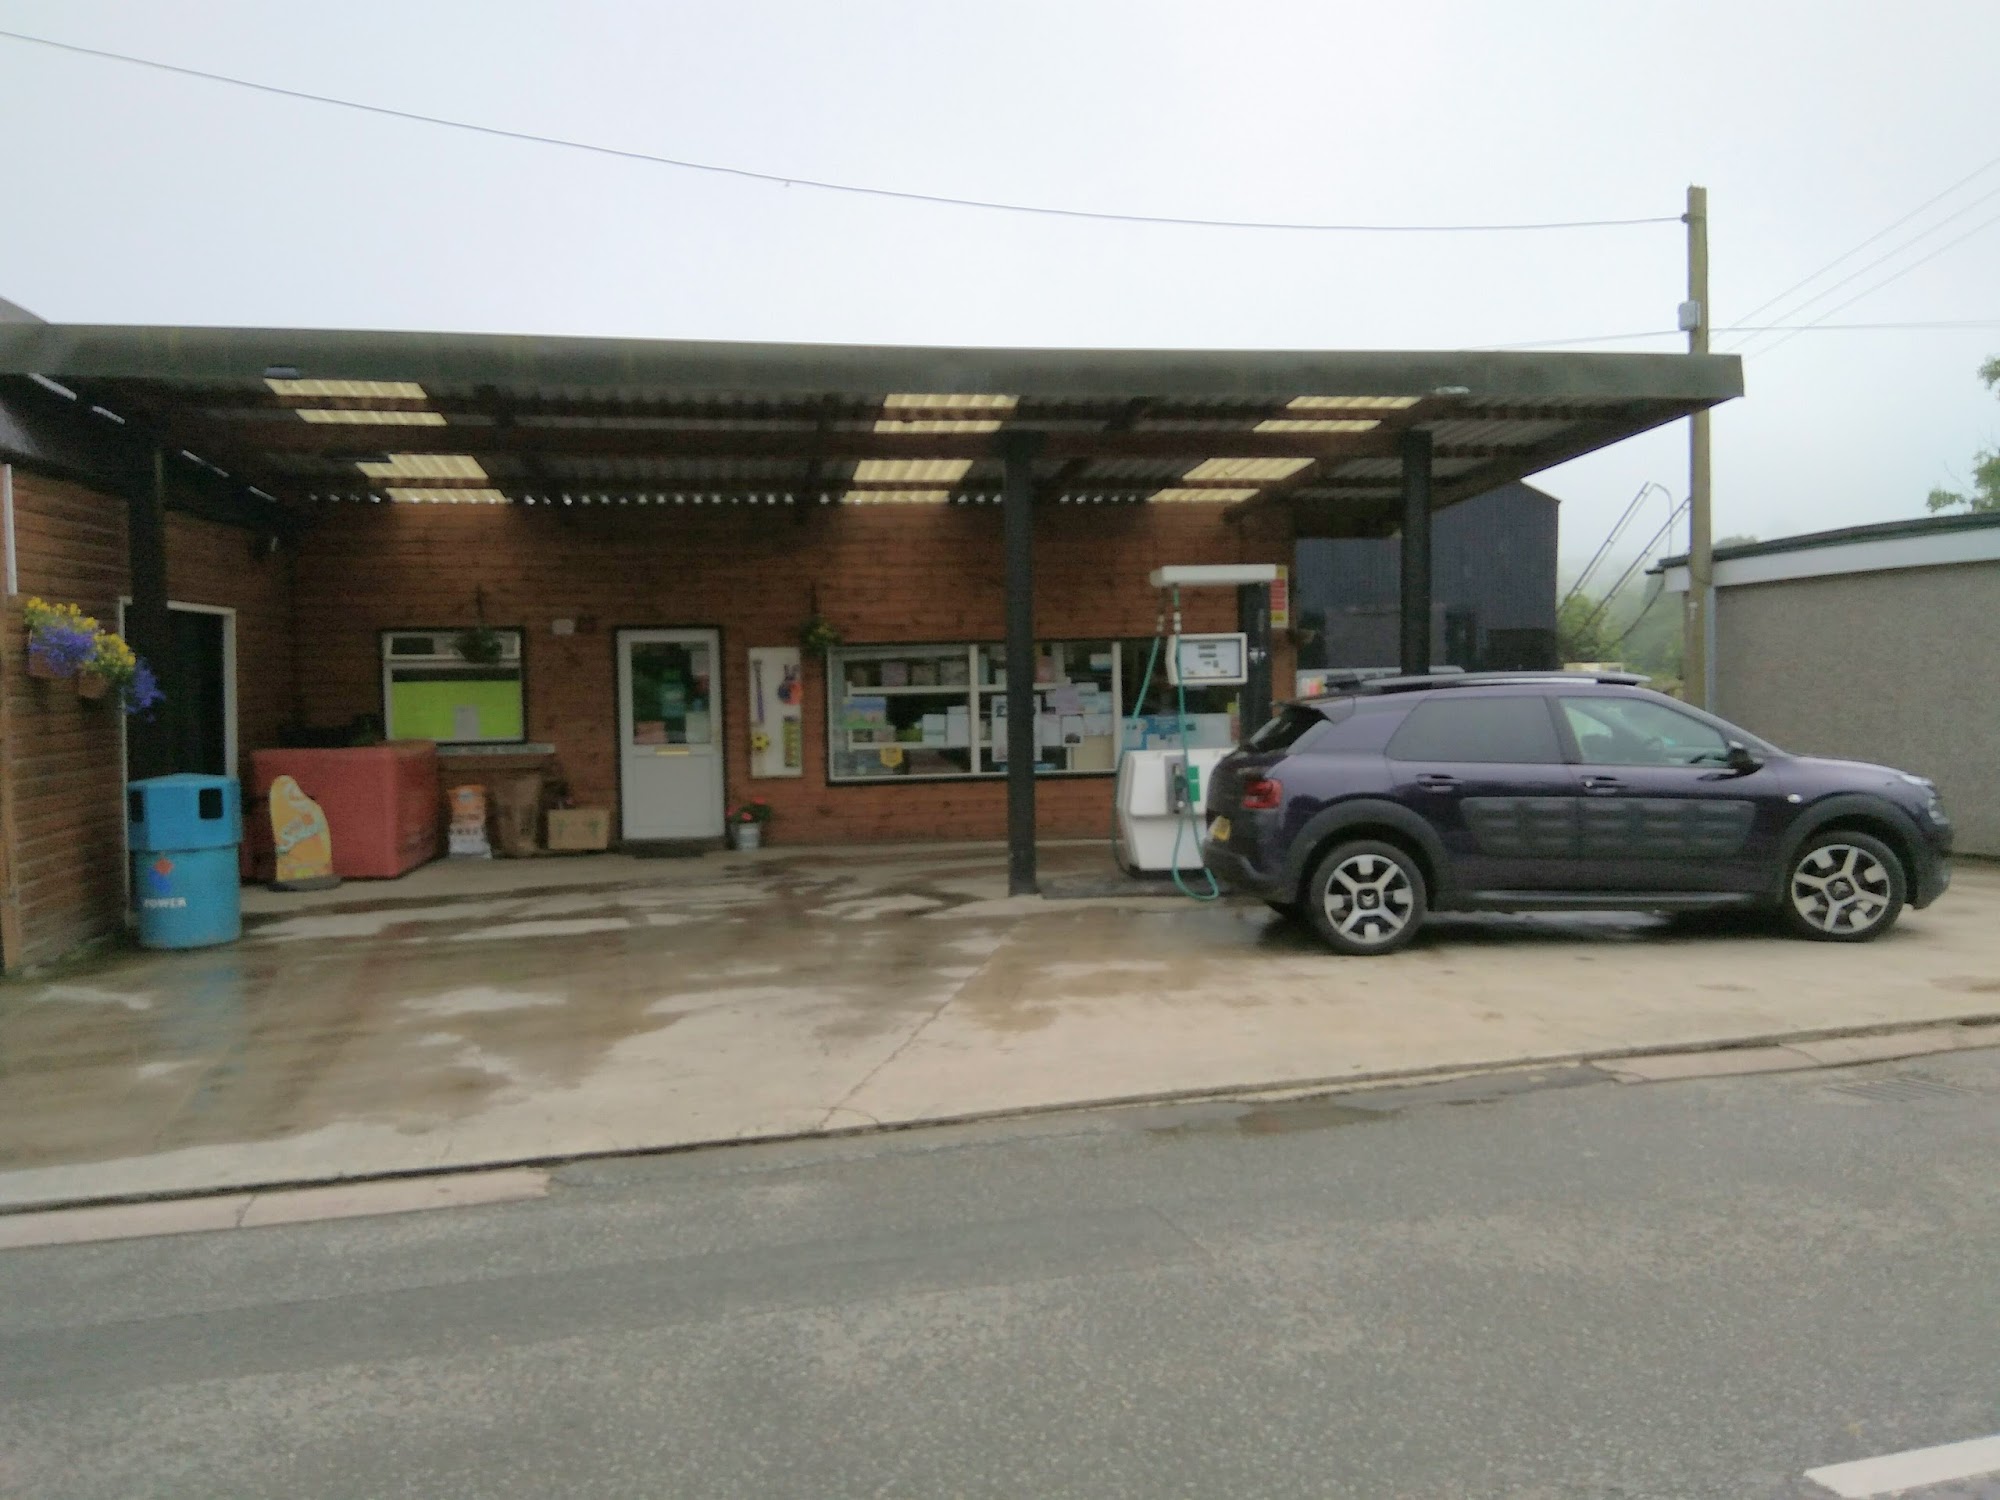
[310,416]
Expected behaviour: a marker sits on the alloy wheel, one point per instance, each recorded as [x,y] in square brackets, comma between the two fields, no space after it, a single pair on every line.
[1369,899]
[1841,889]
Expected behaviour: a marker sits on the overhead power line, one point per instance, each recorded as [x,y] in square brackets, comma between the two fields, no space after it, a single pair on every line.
[1812,327]
[784,180]
[1883,259]
[1879,234]
[1895,276]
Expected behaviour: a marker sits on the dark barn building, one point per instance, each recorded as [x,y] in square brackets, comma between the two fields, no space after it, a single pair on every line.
[1493,582]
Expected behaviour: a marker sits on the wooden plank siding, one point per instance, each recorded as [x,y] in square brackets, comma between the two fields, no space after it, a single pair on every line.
[61,796]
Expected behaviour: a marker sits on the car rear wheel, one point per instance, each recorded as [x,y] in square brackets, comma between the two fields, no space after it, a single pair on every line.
[1365,898]
[1844,887]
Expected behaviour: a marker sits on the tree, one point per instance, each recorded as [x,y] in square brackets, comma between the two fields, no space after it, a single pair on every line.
[1985,493]
[1578,636]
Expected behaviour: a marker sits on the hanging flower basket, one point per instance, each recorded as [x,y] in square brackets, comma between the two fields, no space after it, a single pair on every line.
[63,641]
[818,636]
[479,646]
[61,638]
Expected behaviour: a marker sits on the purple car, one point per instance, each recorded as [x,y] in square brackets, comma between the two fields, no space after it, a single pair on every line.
[1364,811]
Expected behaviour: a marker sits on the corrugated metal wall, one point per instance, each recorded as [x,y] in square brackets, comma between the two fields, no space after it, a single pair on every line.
[1493,582]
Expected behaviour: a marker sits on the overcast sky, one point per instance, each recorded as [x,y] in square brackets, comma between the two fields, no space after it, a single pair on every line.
[136,196]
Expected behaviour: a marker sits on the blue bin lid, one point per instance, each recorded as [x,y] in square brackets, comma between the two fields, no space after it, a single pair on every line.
[191,779]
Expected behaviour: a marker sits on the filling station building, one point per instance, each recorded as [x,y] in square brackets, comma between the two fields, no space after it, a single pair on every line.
[705,572]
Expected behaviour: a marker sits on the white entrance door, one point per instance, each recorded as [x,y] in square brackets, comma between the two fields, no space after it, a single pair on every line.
[670,733]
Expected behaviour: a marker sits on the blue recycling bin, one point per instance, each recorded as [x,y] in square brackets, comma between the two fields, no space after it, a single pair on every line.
[183,832]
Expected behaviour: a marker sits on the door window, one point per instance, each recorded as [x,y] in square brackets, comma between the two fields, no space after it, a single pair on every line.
[1511,731]
[1638,732]
[670,693]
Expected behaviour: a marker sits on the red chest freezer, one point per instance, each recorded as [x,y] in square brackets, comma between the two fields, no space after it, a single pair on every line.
[381,805]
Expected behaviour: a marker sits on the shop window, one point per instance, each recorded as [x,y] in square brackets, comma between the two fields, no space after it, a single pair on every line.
[430,691]
[939,711]
[900,711]
[931,712]
[1076,707]
[1214,714]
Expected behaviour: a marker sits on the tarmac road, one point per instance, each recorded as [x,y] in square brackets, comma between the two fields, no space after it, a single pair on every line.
[1574,1291]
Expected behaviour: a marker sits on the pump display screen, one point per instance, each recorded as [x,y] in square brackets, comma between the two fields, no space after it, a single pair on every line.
[1209,660]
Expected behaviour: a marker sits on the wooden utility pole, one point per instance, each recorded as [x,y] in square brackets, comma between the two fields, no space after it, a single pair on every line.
[1697,671]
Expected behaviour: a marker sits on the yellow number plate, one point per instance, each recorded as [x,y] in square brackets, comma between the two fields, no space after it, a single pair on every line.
[1218,831]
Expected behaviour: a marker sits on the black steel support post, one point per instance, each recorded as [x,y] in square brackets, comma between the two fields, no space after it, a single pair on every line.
[1416,590]
[148,630]
[1018,525]
[1253,618]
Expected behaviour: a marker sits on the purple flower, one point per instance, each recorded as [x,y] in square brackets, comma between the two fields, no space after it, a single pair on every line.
[60,649]
[142,693]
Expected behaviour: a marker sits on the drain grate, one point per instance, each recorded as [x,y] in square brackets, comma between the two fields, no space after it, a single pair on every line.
[1904,1087]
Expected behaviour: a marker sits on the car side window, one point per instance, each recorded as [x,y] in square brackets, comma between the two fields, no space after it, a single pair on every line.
[1450,727]
[1636,732]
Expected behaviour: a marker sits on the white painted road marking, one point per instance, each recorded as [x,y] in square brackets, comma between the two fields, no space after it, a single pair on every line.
[1907,1471]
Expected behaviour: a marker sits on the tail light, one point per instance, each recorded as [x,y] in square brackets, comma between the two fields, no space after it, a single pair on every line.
[1262,794]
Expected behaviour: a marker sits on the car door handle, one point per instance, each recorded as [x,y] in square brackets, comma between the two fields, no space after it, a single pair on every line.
[1603,785]
[1437,782]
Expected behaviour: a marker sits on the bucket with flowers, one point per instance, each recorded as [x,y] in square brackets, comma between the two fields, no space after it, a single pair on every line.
[747,823]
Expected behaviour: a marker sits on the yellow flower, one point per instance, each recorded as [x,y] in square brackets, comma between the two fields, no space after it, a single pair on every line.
[112,658]
[41,615]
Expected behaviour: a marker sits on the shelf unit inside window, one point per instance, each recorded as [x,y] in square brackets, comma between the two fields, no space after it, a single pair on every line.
[938,712]
[900,711]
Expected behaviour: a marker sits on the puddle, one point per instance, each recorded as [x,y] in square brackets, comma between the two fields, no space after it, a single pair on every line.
[1971,984]
[1285,1119]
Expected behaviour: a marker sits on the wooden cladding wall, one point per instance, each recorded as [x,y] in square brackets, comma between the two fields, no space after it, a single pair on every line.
[62,807]
[882,573]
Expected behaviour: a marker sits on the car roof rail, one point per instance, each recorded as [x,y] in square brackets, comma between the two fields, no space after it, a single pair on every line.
[1343,687]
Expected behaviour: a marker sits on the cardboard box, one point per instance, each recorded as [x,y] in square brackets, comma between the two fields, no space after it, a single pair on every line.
[579,830]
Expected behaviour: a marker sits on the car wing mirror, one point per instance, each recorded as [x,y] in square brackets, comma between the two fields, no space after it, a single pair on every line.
[1742,759]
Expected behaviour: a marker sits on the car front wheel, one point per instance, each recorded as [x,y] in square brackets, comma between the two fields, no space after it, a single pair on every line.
[1844,887]
[1366,898]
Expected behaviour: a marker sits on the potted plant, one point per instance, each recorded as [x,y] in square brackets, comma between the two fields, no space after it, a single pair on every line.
[110,664]
[479,645]
[113,665]
[61,638]
[746,823]
[817,636]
